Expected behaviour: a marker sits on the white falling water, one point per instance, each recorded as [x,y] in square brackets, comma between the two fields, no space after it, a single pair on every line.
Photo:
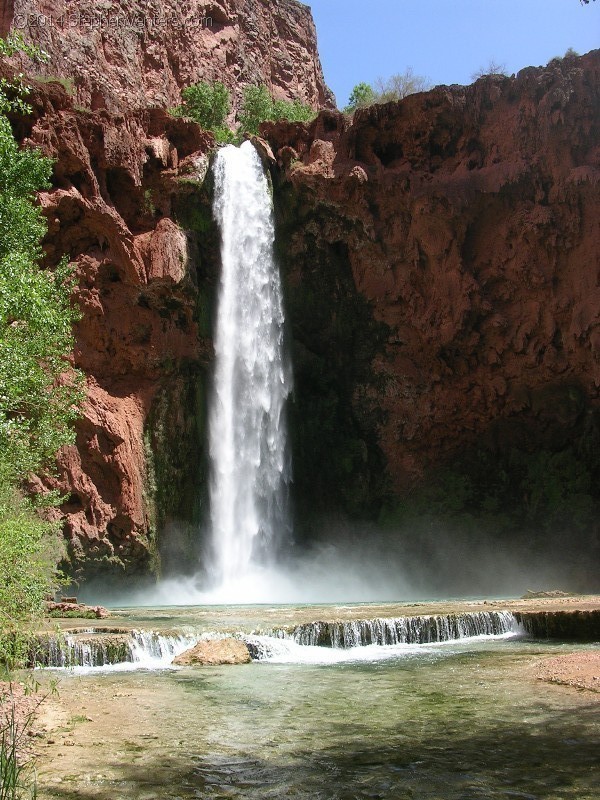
[250,469]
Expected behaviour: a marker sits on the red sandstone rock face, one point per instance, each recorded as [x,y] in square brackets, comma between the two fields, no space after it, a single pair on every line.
[469,221]
[471,218]
[110,211]
[130,55]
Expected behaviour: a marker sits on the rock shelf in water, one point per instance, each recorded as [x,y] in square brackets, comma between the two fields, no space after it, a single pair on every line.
[339,627]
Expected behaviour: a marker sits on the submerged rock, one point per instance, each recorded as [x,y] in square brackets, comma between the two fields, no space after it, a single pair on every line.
[211,652]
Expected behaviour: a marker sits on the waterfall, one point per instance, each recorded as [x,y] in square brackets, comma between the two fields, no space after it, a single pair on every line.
[386,631]
[101,648]
[250,467]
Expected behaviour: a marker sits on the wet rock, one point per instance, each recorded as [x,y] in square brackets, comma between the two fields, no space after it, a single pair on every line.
[577,625]
[66,608]
[212,652]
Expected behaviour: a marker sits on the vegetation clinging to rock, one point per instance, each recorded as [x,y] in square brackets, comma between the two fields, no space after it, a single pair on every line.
[209,104]
[386,90]
[39,391]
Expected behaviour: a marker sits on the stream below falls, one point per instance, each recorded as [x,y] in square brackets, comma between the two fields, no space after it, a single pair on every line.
[455,720]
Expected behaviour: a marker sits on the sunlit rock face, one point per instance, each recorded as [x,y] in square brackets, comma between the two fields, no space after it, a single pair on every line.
[440,266]
[128,208]
[449,244]
[119,185]
[131,55]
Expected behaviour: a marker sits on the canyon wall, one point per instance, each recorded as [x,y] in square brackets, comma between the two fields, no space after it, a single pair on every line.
[131,209]
[440,259]
[442,263]
[126,56]
[144,287]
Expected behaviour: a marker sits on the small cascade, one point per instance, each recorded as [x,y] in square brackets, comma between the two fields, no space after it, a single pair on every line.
[101,648]
[313,642]
[399,630]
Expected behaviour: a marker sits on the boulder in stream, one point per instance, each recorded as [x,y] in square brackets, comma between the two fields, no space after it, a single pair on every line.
[211,652]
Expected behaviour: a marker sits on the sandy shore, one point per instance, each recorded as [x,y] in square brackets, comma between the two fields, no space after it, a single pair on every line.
[579,670]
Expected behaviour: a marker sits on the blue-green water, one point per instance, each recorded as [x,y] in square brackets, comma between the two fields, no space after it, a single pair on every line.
[455,721]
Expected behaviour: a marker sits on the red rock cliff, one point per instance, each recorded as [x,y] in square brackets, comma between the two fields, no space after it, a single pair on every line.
[468,218]
[124,174]
[142,338]
[132,55]
[441,259]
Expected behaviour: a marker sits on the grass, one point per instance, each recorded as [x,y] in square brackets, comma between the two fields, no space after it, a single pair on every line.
[17,769]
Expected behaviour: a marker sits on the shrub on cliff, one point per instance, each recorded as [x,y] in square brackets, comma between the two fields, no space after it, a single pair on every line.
[38,389]
[400,85]
[386,90]
[258,106]
[207,103]
[361,96]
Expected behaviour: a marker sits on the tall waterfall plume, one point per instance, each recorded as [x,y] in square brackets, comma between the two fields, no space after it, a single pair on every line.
[250,464]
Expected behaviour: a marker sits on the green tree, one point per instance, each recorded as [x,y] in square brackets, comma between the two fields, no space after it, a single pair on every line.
[361,96]
[400,85]
[29,546]
[386,90]
[40,392]
[208,103]
[292,111]
[258,106]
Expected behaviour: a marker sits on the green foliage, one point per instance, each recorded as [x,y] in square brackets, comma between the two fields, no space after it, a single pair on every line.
[224,136]
[67,83]
[14,44]
[206,103]
[361,96]
[29,550]
[292,111]
[209,105]
[13,92]
[72,614]
[385,91]
[39,393]
[258,106]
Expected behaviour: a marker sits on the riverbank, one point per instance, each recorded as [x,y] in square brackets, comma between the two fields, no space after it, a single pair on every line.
[579,670]
[437,721]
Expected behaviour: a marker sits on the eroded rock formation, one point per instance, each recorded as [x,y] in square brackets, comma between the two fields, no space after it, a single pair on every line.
[442,258]
[126,56]
[141,341]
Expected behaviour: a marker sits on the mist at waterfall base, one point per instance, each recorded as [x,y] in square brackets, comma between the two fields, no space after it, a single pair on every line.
[249,553]
[360,563]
